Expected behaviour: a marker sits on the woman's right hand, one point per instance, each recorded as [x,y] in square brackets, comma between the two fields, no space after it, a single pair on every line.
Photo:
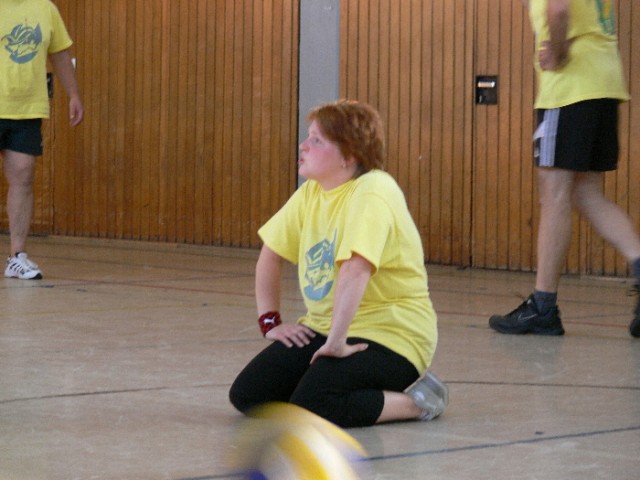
[291,334]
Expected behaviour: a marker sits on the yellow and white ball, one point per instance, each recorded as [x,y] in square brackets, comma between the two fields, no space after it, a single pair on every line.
[281,441]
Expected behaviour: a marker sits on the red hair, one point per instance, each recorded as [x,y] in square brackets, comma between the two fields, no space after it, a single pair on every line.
[357,130]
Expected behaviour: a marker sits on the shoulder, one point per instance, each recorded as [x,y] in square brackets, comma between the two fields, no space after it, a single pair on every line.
[378,182]
[376,178]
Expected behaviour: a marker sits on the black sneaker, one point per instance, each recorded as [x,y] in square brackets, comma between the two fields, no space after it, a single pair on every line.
[527,319]
[634,326]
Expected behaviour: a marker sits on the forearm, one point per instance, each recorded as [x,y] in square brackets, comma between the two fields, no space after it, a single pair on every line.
[558,21]
[350,287]
[64,70]
[268,281]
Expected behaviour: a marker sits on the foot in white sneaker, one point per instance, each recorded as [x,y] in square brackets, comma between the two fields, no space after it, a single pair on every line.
[21,267]
[431,395]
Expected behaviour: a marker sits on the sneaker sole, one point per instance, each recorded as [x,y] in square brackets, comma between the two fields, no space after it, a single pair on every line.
[37,276]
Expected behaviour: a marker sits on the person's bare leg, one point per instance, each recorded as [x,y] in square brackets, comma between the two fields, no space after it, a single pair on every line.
[608,219]
[554,231]
[19,172]
[398,406]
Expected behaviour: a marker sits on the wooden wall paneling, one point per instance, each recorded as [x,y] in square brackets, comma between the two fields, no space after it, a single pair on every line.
[508,168]
[92,195]
[68,172]
[393,108]
[364,47]
[68,175]
[482,184]
[289,144]
[227,118]
[203,178]
[180,162]
[246,173]
[464,133]
[493,58]
[523,244]
[401,94]
[124,95]
[219,113]
[257,122]
[168,151]
[98,221]
[153,121]
[277,119]
[502,208]
[434,196]
[426,166]
[76,200]
[237,58]
[184,165]
[267,196]
[456,95]
[516,127]
[414,109]
[384,70]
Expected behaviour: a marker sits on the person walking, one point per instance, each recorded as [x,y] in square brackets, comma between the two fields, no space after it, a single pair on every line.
[580,86]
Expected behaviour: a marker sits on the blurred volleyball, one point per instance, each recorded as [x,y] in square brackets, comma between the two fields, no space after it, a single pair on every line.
[280,441]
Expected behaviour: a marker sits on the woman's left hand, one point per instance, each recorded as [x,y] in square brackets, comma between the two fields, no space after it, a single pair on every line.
[339,350]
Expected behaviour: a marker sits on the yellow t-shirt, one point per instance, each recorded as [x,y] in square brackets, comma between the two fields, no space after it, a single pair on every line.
[318,229]
[594,69]
[29,31]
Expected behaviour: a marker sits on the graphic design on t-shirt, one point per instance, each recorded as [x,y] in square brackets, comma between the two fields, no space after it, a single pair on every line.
[606,16]
[23,42]
[319,273]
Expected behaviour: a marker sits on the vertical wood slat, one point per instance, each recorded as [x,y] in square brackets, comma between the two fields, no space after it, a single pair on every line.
[177,143]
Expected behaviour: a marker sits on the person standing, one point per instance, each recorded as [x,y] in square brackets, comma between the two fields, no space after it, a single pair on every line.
[580,86]
[31,31]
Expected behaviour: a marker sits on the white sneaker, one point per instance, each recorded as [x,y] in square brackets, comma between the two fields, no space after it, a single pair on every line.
[21,267]
[430,394]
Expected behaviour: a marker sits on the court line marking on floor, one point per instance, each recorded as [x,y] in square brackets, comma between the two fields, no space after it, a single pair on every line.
[509,443]
[466,448]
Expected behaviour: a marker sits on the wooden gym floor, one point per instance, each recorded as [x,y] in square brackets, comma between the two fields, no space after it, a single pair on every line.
[118,363]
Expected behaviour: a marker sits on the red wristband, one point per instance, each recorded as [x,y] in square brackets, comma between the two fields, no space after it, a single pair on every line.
[268,321]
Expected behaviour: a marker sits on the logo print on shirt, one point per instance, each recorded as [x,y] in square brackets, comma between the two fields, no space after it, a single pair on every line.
[606,15]
[23,43]
[320,269]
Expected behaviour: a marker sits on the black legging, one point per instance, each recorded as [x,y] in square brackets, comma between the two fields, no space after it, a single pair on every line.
[346,391]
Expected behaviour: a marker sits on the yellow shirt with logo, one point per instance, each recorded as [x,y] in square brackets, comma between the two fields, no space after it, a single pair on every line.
[317,230]
[594,69]
[30,30]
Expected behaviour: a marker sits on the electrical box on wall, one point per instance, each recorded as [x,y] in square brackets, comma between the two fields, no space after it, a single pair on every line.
[487,89]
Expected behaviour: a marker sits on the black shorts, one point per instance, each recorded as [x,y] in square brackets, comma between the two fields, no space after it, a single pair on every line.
[22,136]
[580,137]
